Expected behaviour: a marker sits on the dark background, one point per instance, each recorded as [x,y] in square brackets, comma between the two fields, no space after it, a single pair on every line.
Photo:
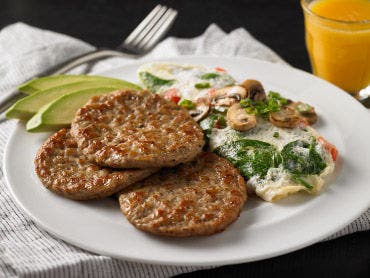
[278,24]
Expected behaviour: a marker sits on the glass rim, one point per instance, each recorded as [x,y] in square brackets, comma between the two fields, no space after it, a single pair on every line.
[305,7]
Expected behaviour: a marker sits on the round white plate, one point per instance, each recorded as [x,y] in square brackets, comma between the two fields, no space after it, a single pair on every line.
[263,230]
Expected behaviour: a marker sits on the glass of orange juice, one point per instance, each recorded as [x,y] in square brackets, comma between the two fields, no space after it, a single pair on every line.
[338,41]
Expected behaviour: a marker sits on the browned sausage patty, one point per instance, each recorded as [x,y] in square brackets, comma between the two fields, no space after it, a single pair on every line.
[197,198]
[136,129]
[63,169]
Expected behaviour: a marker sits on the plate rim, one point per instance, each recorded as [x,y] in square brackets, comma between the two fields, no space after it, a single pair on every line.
[159,261]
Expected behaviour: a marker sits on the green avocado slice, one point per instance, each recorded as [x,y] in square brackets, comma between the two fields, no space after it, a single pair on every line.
[48,82]
[26,107]
[60,112]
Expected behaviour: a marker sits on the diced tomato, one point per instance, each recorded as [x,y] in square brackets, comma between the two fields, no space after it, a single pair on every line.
[172,95]
[220,69]
[329,148]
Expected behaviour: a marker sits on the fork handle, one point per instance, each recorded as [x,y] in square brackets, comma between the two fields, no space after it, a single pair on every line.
[65,67]
[84,58]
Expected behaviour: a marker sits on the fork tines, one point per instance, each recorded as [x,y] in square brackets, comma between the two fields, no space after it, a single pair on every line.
[150,30]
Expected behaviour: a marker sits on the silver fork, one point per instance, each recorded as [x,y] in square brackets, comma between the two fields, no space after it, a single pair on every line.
[141,40]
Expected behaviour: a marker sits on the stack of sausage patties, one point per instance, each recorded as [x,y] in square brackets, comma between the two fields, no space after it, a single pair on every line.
[148,150]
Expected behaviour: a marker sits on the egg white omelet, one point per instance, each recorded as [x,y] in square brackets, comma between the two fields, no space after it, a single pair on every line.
[275,161]
[191,82]
[278,182]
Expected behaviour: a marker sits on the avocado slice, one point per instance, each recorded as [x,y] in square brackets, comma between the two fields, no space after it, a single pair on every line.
[60,112]
[48,82]
[26,107]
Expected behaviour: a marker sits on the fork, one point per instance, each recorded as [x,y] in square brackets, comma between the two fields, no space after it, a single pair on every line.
[139,42]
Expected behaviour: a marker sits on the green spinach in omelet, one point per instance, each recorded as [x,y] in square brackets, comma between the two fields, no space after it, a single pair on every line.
[251,157]
[154,83]
[301,158]
[255,158]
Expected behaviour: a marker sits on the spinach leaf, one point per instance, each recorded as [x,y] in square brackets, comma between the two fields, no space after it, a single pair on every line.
[251,157]
[301,158]
[154,83]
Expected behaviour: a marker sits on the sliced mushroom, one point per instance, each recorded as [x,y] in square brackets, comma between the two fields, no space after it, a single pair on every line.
[306,111]
[239,119]
[201,110]
[254,88]
[286,117]
[228,95]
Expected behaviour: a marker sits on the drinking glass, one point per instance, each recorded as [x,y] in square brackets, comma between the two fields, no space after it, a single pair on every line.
[339,51]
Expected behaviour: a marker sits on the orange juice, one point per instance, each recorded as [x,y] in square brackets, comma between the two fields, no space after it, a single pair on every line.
[338,41]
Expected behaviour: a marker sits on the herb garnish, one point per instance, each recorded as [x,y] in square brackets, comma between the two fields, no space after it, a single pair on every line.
[202,85]
[210,75]
[273,103]
[276,134]
[188,104]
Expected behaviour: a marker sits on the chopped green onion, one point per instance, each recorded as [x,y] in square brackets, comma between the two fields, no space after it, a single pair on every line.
[188,104]
[277,98]
[245,102]
[251,110]
[202,85]
[210,75]
[273,103]
[276,134]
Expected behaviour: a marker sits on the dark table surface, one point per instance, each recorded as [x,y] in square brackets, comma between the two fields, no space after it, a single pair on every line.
[278,24]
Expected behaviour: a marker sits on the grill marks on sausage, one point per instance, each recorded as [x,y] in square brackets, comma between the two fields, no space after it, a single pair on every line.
[63,169]
[198,198]
[130,129]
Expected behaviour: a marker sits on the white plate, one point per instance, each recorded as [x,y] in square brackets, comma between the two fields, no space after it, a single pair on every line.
[263,230]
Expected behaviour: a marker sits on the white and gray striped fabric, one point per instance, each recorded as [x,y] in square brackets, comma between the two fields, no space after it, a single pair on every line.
[25,249]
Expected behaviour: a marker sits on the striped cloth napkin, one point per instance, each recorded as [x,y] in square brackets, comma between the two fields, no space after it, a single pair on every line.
[25,249]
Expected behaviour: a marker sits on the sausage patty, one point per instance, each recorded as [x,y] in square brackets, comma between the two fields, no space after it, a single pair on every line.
[198,198]
[63,169]
[136,129]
